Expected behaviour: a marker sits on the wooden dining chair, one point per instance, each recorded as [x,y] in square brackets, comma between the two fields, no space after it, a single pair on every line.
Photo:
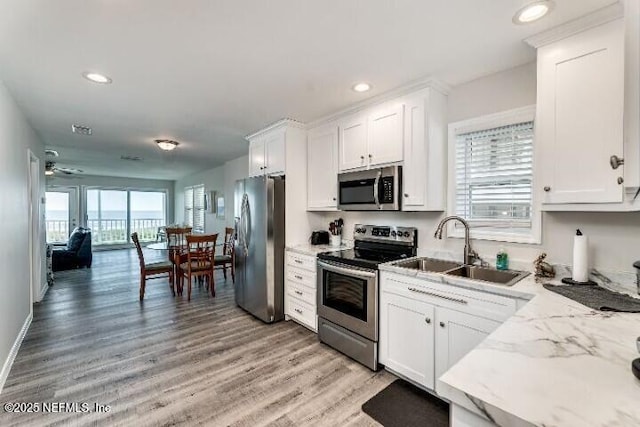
[177,249]
[201,252]
[227,258]
[152,270]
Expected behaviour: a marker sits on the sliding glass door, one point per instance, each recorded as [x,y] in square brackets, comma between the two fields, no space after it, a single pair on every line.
[113,215]
[61,213]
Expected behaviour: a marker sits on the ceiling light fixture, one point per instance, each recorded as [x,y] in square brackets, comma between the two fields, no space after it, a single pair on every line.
[361,87]
[167,144]
[533,11]
[96,78]
[48,172]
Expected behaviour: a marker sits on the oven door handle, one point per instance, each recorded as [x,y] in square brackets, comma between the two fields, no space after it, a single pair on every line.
[376,189]
[347,271]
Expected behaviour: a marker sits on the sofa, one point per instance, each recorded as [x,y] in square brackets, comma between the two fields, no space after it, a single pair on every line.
[77,253]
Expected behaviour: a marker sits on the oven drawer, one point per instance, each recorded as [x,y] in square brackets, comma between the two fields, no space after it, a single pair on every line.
[483,304]
[303,277]
[304,262]
[301,292]
[302,312]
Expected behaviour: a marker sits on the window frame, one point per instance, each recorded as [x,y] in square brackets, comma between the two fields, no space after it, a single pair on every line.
[490,121]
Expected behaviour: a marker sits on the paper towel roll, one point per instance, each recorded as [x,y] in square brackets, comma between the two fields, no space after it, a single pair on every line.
[580,258]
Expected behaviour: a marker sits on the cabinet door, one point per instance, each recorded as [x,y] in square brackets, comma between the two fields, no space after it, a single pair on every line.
[385,127]
[414,180]
[256,157]
[274,146]
[322,168]
[580,116]
[457,334]
[407,338]
[353,143]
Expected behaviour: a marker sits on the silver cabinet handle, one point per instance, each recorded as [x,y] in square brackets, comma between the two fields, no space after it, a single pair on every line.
[406,195]
[370,156]
[620,180]
[616,162]
[361,157]
[297,310]
[297,261]
[420,291]
[428,320]
[298,277]
[442,324]
[298,292]
[547,189]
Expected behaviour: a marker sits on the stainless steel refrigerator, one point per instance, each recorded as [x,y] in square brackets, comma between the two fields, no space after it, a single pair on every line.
[259,249]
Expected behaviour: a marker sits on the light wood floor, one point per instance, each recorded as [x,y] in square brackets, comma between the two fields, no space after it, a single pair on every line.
[167,361]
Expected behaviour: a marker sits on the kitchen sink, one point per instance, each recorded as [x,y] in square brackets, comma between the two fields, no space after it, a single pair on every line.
[507,278]
[428,264]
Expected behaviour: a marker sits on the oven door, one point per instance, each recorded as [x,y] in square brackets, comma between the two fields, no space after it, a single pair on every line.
[348,296]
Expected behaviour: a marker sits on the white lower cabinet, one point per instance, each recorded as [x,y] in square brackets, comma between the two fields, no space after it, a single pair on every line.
[427,327]
[406,337]
[300,290]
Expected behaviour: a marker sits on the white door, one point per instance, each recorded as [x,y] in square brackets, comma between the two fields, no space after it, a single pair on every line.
[385,135]
[353,143]
[61,213]
[580,116]
[407,337]
[322,168]
[457,334]
[414,171]
[274,153]
[256,157]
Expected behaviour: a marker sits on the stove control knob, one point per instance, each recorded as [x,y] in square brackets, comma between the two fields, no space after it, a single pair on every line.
[393,234]
[406,234]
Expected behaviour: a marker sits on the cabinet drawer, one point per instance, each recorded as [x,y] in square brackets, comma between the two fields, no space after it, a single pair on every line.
[304,277]
[479,303]
[304,293]
[304,262]
[302,312]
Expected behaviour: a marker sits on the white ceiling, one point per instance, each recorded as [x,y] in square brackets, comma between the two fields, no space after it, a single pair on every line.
[208,72]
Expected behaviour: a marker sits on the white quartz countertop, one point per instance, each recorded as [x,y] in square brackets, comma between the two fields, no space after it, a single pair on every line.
[314,250]
[553,363]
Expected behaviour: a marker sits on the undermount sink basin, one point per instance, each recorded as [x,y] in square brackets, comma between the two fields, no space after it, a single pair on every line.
[507,278]
[428,264]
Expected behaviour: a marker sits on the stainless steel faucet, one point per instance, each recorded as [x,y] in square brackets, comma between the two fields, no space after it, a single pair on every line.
[470,256]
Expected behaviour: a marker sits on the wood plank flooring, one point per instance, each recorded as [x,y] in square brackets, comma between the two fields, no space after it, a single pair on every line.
[167,361]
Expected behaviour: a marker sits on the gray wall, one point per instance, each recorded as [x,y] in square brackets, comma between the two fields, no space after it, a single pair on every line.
[16,137]
[221,180]
[84,181]
[614,237]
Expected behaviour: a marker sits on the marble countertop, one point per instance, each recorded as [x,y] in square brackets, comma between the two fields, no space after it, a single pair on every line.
[314,250]
[553,363]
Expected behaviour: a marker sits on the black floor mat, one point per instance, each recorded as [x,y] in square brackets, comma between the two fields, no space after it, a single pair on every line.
[402,404]
[598,298]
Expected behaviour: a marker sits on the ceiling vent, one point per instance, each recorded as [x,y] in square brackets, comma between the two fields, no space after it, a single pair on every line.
[81,130]
[51,153]
[131,158]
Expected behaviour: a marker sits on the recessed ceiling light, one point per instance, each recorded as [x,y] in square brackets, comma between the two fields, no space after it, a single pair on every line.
[96,77]
[361,87]
[81,130]
[533,11]
[167,144]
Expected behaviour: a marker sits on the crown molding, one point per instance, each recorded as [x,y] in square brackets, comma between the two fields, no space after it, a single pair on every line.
[570,28]
[405,89]
[282,123]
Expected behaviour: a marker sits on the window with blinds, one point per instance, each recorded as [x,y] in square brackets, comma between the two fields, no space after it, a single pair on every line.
[194,207]
[493,178]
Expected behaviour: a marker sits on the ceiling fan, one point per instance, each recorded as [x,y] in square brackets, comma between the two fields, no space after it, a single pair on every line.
[51,169]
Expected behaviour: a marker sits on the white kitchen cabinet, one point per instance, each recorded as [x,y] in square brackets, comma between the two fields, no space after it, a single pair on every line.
[300,290]
[353,142]
[456,334]
[406,338]
[267,153]
[580,117]
[425,141]
[322,168]
[385,134]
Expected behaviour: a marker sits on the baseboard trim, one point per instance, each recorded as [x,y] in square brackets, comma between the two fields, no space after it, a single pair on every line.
[6,368]
[43,291]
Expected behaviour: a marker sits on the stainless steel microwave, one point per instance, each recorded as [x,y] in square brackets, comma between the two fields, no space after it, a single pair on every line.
[371,190]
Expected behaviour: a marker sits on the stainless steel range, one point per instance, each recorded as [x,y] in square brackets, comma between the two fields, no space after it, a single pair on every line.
[348,289]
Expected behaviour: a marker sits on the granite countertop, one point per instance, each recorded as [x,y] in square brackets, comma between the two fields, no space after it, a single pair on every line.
[314,250]
[553,363]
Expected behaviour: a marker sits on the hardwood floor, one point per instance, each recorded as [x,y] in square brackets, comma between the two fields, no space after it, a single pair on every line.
[167,361]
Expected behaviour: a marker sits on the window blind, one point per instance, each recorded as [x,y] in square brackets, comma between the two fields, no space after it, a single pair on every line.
[198,208]
[188,206]
[494,175]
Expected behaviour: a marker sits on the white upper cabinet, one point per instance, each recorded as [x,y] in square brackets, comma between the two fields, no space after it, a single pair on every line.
[425,138]
[353,142]
[385,128]
[580,117]
[322,168]
[267,153]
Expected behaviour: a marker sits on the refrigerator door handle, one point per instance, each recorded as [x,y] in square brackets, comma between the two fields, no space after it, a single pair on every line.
[245,224]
